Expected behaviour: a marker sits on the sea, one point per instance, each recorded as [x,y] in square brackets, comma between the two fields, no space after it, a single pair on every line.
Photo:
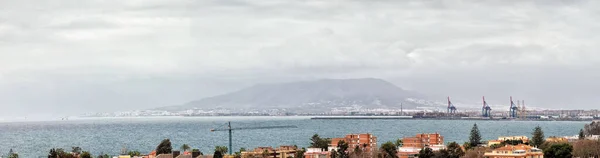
[112,135]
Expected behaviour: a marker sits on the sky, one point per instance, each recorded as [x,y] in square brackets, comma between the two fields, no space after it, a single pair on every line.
[67,57]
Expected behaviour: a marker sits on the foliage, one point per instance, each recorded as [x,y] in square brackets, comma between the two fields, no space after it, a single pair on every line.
[217,154]
[586,148]
[185,147]
[300,153]
[581,135]
[85,154]
[510,142]
[134,153]
[389,150]
[342,149]
[592,128]
[454,150]
[197,150]
[222,149]
[318,142]
[560,150]
[443,153]
[239,153]
[164,147]
[333,154]
[475,137]
[399,143]
[475,152]
[538,137]
[76,149]
[12,154]
[426,153]
[104,156]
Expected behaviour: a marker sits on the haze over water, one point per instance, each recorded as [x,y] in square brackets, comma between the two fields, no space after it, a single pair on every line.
[110,135]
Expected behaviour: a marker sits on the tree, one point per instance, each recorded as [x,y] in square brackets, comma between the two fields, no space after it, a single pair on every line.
[333,154]
[76,150]
[52,153]
[586,148]
[475,137]
[399,142]
[318,142]
[389,150]
[477,152]
[443,153]
[217,154]
[185,147]
[12,154]
[592,129]
[581,135]
[164,147]
[342,149]
[85,154]
[134,153]
[426,153]
[222,149]
[239,153]
[538,137]
[300,153]
[454,150]
[561,150]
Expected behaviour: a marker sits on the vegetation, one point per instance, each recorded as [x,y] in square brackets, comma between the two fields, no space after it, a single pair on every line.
[538,137]
[475,137]
[581,135]
[333,154]
[300,153]
[592,129]
[560,150]
[221,149]
[85,154]
[239,153]
[217,154]
[477,152]
[134,153]
[185,147]
[426,153]
[454,150]
[586,148]
[76,150]
[388,150]
[164,147]
[342,149]
[318,142]
[399,142]
[12,154]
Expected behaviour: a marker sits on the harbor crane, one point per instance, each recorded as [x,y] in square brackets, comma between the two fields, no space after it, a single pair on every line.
[486,110]
[230,129]
[451,107]
[513,109]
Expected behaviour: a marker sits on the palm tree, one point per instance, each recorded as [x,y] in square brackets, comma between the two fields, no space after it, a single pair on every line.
[185,147]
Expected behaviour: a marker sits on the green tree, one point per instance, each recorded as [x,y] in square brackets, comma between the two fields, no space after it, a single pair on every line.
[581,135]
[217,154]
[222,149]
[442,153]
[561,150]
[538,137]
[239,153]
[185,147]
[342,149]
[266,154]
[12,154]
[85,154]
[164,147]
[134,153]
[318,142]
[399,142]
[76,149]
[333,154]
[454,150]
[389,150]
[426,153]
[475,137]
[300,153]
[52,153]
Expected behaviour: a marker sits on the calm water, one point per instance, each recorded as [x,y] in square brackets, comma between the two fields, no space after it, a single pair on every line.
[35,139]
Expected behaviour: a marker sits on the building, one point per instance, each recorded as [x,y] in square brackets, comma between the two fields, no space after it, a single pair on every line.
[281,152]
[505,138]
[412,145]
[557,139]
[515,151]
[367,142]
[316,153]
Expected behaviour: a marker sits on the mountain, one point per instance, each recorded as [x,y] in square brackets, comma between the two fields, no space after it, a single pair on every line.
[315,95]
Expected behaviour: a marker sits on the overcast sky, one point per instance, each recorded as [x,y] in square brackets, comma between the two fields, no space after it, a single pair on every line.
[69,57]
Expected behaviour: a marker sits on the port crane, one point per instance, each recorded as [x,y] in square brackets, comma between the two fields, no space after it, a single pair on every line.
[230,129]
[451,107]
[513,109]
[486,110]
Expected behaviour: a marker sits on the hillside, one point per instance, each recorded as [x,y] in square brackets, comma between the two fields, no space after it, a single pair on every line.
[315,95]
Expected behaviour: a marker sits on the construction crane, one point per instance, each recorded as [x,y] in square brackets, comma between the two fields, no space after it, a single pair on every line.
[245,128]
[486,110]
[451,107]
[513,109]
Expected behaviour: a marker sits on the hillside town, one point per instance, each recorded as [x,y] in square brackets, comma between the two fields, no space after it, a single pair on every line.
[366,145]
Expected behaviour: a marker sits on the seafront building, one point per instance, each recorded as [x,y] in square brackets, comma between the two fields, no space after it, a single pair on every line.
[316,153]
[412,145]
[281,152]
[515,151]
[366,141]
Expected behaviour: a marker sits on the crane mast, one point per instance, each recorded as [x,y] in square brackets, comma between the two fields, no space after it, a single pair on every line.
[230,129]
